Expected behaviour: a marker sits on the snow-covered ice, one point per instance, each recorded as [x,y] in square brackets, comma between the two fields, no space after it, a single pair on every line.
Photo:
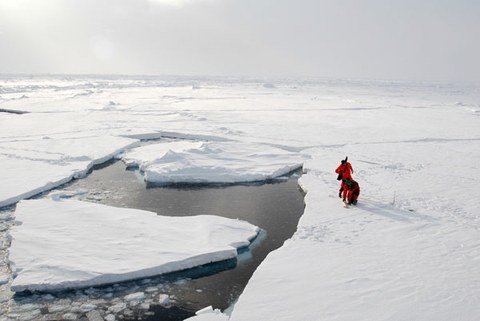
[209,314]
[31,166]
[211,162]
[387,261]
[408,251]
[70,244]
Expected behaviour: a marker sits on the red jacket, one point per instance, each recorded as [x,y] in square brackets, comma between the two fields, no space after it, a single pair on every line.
[345,170]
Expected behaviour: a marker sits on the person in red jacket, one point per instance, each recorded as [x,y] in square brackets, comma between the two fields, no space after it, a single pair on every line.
[352,191]
[344,172]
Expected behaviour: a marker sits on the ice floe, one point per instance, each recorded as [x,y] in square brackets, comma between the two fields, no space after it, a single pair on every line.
[70,244]
[211,162]
[33,166]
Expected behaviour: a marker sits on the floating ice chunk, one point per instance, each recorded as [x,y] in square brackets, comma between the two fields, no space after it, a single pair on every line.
[69,316]
[73,244]
[208,314]
[59,307]
[164,299]
[116,308]
[94,316]
[6,216]
[58,195]
[4,278]
[138,296]
[212,162]
[4,297]
[151,289]
[110,317]
[87,307]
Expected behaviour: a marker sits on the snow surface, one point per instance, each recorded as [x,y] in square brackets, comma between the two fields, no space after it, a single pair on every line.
[409,251]
[50,161]
[388,262]
[211,162]
[71,244]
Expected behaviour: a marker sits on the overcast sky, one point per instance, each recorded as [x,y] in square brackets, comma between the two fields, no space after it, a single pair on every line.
[373,39]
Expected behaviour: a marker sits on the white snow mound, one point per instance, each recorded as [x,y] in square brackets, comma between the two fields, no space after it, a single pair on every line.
[72,244]
[211,162]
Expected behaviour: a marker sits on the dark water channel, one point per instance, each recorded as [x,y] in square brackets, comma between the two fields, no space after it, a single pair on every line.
[274,206]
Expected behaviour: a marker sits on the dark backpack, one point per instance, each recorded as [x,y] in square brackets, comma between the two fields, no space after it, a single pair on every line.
[351,184]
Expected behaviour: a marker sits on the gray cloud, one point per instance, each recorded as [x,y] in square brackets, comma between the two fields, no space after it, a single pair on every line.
[426,40]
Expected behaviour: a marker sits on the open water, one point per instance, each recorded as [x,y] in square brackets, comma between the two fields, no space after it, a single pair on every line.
[274,206]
